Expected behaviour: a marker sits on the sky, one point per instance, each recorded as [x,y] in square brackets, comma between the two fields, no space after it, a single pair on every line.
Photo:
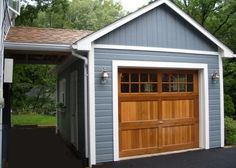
[132,5]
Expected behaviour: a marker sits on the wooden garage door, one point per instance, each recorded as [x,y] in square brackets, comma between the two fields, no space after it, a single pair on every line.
[158,111]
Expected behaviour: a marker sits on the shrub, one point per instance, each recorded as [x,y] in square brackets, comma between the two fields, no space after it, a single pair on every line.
[230,131]
[229,105]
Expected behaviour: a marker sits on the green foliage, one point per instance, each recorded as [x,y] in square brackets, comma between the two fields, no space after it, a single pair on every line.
[29,13]
[33,89]
[78,14]
[92,14]
[218,16]
[229,106]
[33,119]
[230,79]
[230,131]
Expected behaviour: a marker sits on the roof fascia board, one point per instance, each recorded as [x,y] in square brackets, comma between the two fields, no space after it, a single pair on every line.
[37,47]
[85,43]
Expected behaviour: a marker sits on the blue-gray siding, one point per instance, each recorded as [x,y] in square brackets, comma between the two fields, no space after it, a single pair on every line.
[64,118]
[103,94]
[161,27]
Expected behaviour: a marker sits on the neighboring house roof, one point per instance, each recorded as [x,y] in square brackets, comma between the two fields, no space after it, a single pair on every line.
[85,43]
[45,35]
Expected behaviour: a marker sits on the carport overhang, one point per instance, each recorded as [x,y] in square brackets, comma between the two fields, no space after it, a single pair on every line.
[37,53]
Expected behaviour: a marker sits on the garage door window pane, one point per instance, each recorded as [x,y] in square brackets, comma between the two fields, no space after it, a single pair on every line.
[144,77]
[153,88]
[144,87]
[134,88]
[134,77]
[190,87]
[124,77]
[165,78]
[124,88]
[153,77]
[174,78]
[182,87]
[174,87]
[182,78]
[190,78]
[165,88]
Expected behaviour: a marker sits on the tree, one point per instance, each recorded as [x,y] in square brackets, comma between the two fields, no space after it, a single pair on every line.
[218,16]
[30,12]
[93,14]
[229,106]
[34,86]
[33,89]
[78,14]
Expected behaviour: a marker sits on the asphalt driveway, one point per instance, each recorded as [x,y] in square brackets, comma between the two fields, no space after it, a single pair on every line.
[39,148]
[214,158]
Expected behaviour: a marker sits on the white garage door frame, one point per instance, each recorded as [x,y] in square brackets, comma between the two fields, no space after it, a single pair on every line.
[203,96]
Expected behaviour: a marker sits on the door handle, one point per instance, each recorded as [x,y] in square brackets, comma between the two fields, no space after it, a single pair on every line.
[161,122]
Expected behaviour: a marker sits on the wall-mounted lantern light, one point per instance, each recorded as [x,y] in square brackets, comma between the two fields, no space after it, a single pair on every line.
[215,77]
[104,76]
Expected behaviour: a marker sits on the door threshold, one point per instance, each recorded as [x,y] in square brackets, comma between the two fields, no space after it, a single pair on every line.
[159,154]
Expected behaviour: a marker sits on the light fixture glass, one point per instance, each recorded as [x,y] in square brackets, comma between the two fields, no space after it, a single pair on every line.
[215,77]
[104,76]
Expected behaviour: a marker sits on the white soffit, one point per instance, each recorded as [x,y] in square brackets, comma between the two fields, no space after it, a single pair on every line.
[85,43]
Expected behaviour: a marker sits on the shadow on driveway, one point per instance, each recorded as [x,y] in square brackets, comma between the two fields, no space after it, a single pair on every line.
[214,158]
[39,148]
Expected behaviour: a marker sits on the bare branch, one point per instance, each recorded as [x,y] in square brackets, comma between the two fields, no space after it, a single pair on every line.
[224,22]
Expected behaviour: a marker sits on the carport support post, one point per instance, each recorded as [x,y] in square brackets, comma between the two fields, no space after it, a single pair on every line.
[6,122]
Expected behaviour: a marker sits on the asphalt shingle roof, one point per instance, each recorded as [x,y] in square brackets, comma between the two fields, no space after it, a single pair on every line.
[45,35]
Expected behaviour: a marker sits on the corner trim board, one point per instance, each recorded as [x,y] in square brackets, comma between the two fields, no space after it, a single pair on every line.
[222,126]
[92,129]
[157,49]
[204,104]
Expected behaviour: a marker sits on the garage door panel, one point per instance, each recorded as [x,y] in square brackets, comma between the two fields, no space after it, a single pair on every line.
[138,139]
[177,109]
[138,111]
[177,135]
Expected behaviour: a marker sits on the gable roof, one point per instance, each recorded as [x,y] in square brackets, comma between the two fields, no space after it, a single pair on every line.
[85,43]
[44,35]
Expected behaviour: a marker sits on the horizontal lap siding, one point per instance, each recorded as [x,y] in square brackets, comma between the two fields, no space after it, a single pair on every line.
[64,118]
[103,94]
[161,27]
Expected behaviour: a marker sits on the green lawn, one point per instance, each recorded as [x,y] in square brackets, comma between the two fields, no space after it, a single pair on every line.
[33,119]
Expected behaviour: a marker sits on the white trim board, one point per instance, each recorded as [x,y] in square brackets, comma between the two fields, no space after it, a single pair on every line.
[203,103]
[155,49]
[37,46]
[222,122]
[85,43]
[91,127]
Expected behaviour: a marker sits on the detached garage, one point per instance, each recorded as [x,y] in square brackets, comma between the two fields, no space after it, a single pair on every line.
[152,82]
